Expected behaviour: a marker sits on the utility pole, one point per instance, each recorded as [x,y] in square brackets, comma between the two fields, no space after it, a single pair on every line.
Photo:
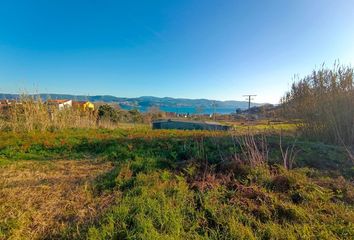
[249,98]
[214,105]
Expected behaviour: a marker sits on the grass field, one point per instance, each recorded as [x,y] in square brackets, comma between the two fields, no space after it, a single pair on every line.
[135,183]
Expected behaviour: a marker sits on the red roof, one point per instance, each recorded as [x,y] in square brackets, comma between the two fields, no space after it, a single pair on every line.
[58,101]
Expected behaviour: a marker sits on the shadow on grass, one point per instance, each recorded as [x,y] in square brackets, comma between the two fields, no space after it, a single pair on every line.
[175,149]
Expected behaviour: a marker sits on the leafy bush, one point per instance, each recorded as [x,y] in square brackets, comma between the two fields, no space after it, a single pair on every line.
[107,112]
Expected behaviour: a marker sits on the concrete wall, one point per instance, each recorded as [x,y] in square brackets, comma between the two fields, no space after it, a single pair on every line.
[66,104]
[188,125]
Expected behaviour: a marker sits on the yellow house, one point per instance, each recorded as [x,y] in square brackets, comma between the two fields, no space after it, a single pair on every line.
[84,105]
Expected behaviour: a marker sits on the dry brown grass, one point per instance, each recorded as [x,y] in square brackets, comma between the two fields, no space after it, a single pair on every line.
[324,101]
[47,199]
[30,113]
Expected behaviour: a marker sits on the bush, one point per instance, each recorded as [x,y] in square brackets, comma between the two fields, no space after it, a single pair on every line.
[283,183]
[107,112]
[324,102]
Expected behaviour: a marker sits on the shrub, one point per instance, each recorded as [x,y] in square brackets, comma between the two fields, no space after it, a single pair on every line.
[283,183]
[108,113]
[324,102]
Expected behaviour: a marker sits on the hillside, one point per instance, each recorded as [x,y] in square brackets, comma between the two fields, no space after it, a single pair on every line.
[145,102]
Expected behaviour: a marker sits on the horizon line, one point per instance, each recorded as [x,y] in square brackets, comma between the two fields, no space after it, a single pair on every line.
[96,95]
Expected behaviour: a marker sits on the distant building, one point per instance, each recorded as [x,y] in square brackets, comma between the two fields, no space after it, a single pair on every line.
[5,103]
[188,125]
[60,103]
[84,105]
[8,102]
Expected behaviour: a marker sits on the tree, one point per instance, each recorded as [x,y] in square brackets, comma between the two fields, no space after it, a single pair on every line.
[107,112]
[135,116]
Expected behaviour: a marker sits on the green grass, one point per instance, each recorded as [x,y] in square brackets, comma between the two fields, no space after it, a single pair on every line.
[263,126]
[159,204]
[184,185]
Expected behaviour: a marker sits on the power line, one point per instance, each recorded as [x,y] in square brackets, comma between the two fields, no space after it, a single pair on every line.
[249,99]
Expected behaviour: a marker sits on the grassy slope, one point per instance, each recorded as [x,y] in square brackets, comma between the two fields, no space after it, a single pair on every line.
[163,188]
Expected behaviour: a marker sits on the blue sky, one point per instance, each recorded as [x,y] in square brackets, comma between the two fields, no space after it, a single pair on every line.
[187,48]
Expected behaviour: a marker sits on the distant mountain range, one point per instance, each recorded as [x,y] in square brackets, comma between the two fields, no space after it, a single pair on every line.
[182,105]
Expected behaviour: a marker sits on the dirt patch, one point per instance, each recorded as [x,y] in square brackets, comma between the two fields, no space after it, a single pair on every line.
[49,199]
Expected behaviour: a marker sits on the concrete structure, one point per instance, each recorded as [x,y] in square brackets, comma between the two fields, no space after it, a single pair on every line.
[188,125]
[5,102]
[60,103]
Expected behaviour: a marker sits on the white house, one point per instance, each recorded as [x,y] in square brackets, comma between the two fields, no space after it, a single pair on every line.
[61,103]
